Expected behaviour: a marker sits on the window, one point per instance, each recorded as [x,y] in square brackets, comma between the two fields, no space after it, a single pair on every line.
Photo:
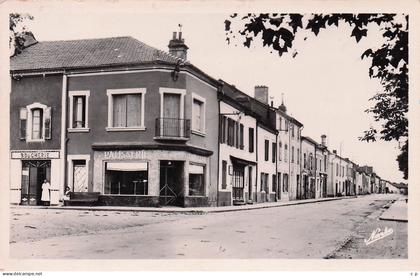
[251,139]
[35,123]
[336,169]
[292,127]
[280,150]
[126,109]
[236,134]
[224,174]
[316,163]
[222,131]
[241,136]
[274,152]
[285,153]
[293,154]
[305,163]
[126,178]
[196,180]
[311,160]
[298,156]
[266,149]
[231,132]
[198,114]
[78,110]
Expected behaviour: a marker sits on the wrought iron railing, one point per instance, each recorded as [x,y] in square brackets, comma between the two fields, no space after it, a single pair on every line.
[173,128]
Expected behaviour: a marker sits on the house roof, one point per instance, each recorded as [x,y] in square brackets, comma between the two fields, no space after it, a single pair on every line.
[87,53]
[262,112]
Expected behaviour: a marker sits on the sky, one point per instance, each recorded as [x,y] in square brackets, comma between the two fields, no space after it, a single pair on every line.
[326,86]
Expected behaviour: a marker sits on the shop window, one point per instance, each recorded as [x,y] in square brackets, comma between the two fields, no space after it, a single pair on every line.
[126,109]
[196,180]
[126,178]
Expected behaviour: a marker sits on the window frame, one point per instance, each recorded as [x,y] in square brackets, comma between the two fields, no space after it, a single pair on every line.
[195,97]
[110,93]
[29,120]
[72,95]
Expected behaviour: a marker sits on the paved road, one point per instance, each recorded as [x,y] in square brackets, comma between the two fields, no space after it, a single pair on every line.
[334,229]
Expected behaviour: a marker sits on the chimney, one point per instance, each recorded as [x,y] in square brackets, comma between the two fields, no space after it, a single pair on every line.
[177,46]
[323,140]
[261,93]
[335,151]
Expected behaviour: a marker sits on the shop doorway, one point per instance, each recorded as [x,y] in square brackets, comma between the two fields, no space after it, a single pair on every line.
[34,172]
[238,183]
[171,183]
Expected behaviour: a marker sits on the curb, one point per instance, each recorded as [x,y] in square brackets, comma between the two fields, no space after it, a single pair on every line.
[183,211]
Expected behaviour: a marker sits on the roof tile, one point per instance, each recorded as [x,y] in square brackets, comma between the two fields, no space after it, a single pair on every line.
[70,54]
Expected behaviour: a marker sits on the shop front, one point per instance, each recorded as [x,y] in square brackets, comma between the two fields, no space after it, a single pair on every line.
[151,178]
[28,170]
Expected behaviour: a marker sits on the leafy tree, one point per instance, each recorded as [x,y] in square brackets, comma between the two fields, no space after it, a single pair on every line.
[18,31]
[389,62]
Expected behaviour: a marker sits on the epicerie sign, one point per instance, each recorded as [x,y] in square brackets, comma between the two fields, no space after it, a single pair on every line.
[35,154]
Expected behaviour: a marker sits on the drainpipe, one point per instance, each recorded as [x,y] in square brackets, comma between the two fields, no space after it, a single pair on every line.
[300,163]
[256,159]
[277,171]
[63,133]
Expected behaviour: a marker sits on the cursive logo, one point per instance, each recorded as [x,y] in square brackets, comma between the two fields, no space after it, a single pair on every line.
[377,234]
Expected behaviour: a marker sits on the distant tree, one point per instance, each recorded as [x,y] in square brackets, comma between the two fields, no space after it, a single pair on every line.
[389,61]
[18,31]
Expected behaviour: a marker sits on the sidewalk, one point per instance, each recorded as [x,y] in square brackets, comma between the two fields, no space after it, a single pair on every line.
[192,210]
[396,212]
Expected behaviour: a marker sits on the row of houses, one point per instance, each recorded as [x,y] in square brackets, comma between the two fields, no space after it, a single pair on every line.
[138,126]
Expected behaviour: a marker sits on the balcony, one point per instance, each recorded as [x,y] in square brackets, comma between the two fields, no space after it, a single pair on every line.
[172,129]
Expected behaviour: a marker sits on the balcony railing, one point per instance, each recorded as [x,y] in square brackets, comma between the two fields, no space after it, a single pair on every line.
[173,128]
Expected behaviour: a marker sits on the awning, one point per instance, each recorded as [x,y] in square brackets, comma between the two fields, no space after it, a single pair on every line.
[195,169]
[241,162]
[127,166]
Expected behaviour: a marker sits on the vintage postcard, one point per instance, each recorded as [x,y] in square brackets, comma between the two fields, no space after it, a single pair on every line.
[210,135]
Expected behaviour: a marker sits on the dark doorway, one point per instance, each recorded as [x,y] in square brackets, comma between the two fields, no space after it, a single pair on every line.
[249,183]
[171,183]
[34,172]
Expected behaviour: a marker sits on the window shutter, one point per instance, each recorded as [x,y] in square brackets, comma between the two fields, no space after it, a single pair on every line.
[47,123]
[23,115]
